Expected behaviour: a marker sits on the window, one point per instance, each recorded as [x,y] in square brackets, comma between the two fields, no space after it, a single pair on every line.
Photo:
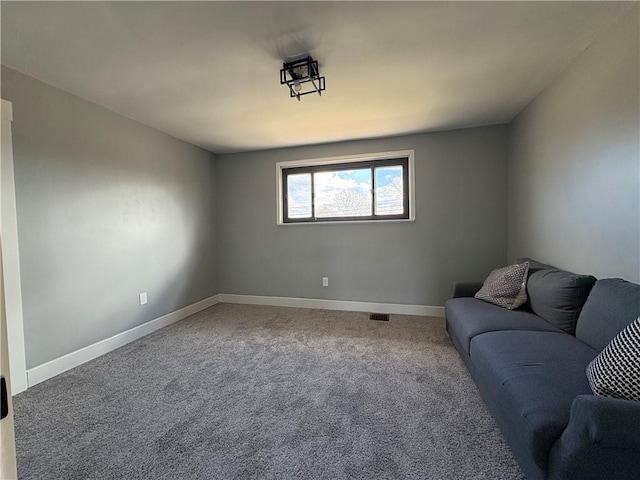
[357,188]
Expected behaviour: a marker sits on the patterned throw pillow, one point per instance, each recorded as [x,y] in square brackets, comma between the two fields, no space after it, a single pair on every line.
[506,287]
[615,372]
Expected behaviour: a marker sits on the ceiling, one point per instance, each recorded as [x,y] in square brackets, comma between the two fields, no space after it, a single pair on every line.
[208,72]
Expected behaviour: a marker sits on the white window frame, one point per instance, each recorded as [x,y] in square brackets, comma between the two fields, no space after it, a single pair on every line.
[409,154]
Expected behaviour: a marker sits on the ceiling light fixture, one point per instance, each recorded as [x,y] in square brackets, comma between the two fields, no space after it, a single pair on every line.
[302,77]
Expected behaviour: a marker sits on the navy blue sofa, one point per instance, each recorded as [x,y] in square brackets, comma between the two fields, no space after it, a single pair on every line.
[530,367]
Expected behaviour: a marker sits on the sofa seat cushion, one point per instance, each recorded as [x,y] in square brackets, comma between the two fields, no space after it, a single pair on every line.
[468,317]
[535,376]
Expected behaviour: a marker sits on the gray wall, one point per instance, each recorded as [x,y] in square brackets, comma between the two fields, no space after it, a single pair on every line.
[459,231]
[574,163]
[107,208]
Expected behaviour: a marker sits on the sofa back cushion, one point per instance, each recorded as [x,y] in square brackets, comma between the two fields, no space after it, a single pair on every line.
[612,305]
[558,296]
[535,265]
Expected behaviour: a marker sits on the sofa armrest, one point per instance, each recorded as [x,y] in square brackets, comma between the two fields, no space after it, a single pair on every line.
[602,440]
[465,289]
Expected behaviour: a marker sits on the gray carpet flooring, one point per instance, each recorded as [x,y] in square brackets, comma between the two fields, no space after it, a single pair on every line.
[248,392]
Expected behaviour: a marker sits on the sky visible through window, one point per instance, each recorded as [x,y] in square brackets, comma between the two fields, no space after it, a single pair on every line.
[346,193]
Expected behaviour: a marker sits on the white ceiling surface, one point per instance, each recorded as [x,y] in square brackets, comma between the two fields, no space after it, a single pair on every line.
[208,72]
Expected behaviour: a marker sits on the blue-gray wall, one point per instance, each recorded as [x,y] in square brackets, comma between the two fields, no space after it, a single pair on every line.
[459,231]
[107,208]
[574,163]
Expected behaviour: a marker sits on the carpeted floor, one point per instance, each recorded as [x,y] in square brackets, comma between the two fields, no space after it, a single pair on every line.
[248,392]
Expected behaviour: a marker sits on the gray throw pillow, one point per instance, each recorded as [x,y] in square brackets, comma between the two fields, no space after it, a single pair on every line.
[506,287]
[615,372]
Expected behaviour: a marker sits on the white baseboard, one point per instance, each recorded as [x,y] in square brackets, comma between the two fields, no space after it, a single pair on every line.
[396,308]
[62,364]
[67,362]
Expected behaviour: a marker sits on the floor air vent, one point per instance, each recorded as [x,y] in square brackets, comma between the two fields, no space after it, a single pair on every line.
[384,317]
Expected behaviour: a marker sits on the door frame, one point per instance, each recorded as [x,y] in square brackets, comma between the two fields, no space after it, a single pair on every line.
[11,257]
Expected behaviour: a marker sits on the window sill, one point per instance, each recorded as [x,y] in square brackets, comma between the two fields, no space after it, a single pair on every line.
[346,222]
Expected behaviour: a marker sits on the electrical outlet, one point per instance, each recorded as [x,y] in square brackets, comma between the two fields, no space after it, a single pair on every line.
[143,298]
[325,281]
